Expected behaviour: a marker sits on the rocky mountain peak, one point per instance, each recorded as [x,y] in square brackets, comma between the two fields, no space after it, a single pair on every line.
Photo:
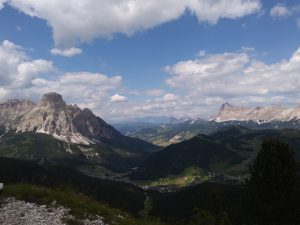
[226,106]
[52,100]
[87,112]
[54,117]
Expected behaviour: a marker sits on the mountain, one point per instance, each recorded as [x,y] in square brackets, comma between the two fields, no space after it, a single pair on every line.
[259,118]
[53,116]
[228,151]
[51,130]
[259,114]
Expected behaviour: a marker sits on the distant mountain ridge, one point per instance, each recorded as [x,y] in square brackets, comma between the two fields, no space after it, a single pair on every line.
[229,112]
[259,118]
[153,120]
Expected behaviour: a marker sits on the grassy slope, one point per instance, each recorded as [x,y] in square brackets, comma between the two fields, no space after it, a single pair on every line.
[117,202]
[117,194]
[45,149]
[161,135]
[227,151]
[90,196]
[81,206]
[189,176]
[200,151]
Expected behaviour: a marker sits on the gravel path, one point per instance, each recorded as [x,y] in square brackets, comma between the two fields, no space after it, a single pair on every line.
[15,212]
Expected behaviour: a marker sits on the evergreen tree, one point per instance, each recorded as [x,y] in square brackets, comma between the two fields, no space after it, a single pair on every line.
[224,219]
[216,203]
[272,184]
[202,217]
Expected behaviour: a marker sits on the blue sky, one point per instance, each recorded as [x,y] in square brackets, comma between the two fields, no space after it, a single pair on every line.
[127,58]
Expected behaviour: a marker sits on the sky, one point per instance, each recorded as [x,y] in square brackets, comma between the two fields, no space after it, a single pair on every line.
[125,59]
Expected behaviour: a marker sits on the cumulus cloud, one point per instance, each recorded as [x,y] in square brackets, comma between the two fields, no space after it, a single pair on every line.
[169,97]
[248,49]
[90,90]
[155,92]
[201,53]
[70,52]
[236,77]
[280,10]
[193,73]
[117,98]
[2,3]
[298,22]
[82,21]
[17,70]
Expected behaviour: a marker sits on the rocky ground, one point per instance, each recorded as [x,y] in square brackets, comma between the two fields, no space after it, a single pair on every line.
[15,212]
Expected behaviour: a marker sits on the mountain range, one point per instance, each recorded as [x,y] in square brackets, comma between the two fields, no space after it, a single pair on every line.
[52,131]
[259,118]
[229,112]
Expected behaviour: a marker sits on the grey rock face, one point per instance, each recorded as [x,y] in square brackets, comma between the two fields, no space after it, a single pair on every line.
[53,116]
[52,100]
[259,114]
[12,109]
[93,127]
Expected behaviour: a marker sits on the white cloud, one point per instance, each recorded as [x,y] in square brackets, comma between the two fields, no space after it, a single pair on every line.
[2,2]
[82,21]
[81,87]
[248,49]
[201,53]
[298,22]
[280,10]
[134,92]
[17,70]
[193,73]
[117,98]
[66,52]
[212,11]
[169,97]
[155,92]
[235,77]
